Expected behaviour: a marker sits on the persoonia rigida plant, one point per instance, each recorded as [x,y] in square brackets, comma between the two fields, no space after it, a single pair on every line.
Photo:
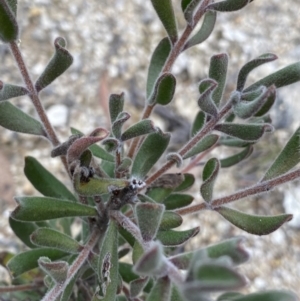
[126,204]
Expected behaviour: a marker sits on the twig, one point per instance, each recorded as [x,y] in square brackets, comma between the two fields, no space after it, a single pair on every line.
[256,189]
[23,287]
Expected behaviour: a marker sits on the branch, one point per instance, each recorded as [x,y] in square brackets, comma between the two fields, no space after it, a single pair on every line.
[257,189]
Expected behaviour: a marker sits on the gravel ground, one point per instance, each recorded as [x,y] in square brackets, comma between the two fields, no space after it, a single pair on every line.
[111,43]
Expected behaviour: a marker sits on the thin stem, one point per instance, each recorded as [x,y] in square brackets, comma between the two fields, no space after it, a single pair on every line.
[205,130]
[20,288]
[54,293]
[256,189]
[175,52]
[51,135]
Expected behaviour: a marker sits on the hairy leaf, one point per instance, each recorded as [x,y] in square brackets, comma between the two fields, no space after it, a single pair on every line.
[161,290]
[16,120]
[187,183]
[170,220]
[177,200]
[9,30]
[116,104]
[198,123]
[228,5]
[176,238]
[8,91]
[58,64]
[254,224]
[235,159]
[143,127]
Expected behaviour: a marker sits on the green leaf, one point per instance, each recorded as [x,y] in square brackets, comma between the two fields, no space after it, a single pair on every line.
[161,290]
[27,260]
[272,295]
[149,217]
[205,101]
[198,123]
[187,183]
[13,6]
[16,120]
[96,186]
[45,182]
[212,276]
[177,200]
[165,12]
[8,91]
[116,104]
[170,220]
[137,285]
[150,262]
[188,8]
[228,296]
[9,30]
[175,238]
[164,90]
[246,109]
[228,5]
[157,62]
[108,263]
[58,64]
[205,31]
[247,68]
[287,159]
[231,248]
[126,272]
[218,72]
[141,128]
[118,124]
[158,194]
[45,237]
[235,159]
[23,231]
[149,152]
[233,142]
[283,77]
[246,132]
[209,176]
[254,224]
[204,144]
[32,209]
[57,270]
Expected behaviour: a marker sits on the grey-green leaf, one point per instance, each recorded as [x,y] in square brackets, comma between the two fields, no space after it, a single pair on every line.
[246,132]
[23,231]
[141,128]
[204,144]
[283,77]
[175,238]
[8,91]
[170,220]
[157,63]
[165,12]
[247,109]
[149,217]
[148,154]
[116,104]
[287,159]
[247,68]
[161,291]
[254,224]
[177,200]
[198,123]
[26,261]
[58,64]
[205,101]
[16,120]
[228,5]
[205,31]
[164,90]
[9,30]
[32,209]
[235,159]
[45,182]
[46,237]
[218,72]
[209,176]
[187,183]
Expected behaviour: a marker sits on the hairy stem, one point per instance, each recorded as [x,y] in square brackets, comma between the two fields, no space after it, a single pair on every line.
[54,293]
[205,130]
[175,52]
[256,189]
[51,135]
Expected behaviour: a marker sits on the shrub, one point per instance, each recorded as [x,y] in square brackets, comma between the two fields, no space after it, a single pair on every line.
[126,204]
